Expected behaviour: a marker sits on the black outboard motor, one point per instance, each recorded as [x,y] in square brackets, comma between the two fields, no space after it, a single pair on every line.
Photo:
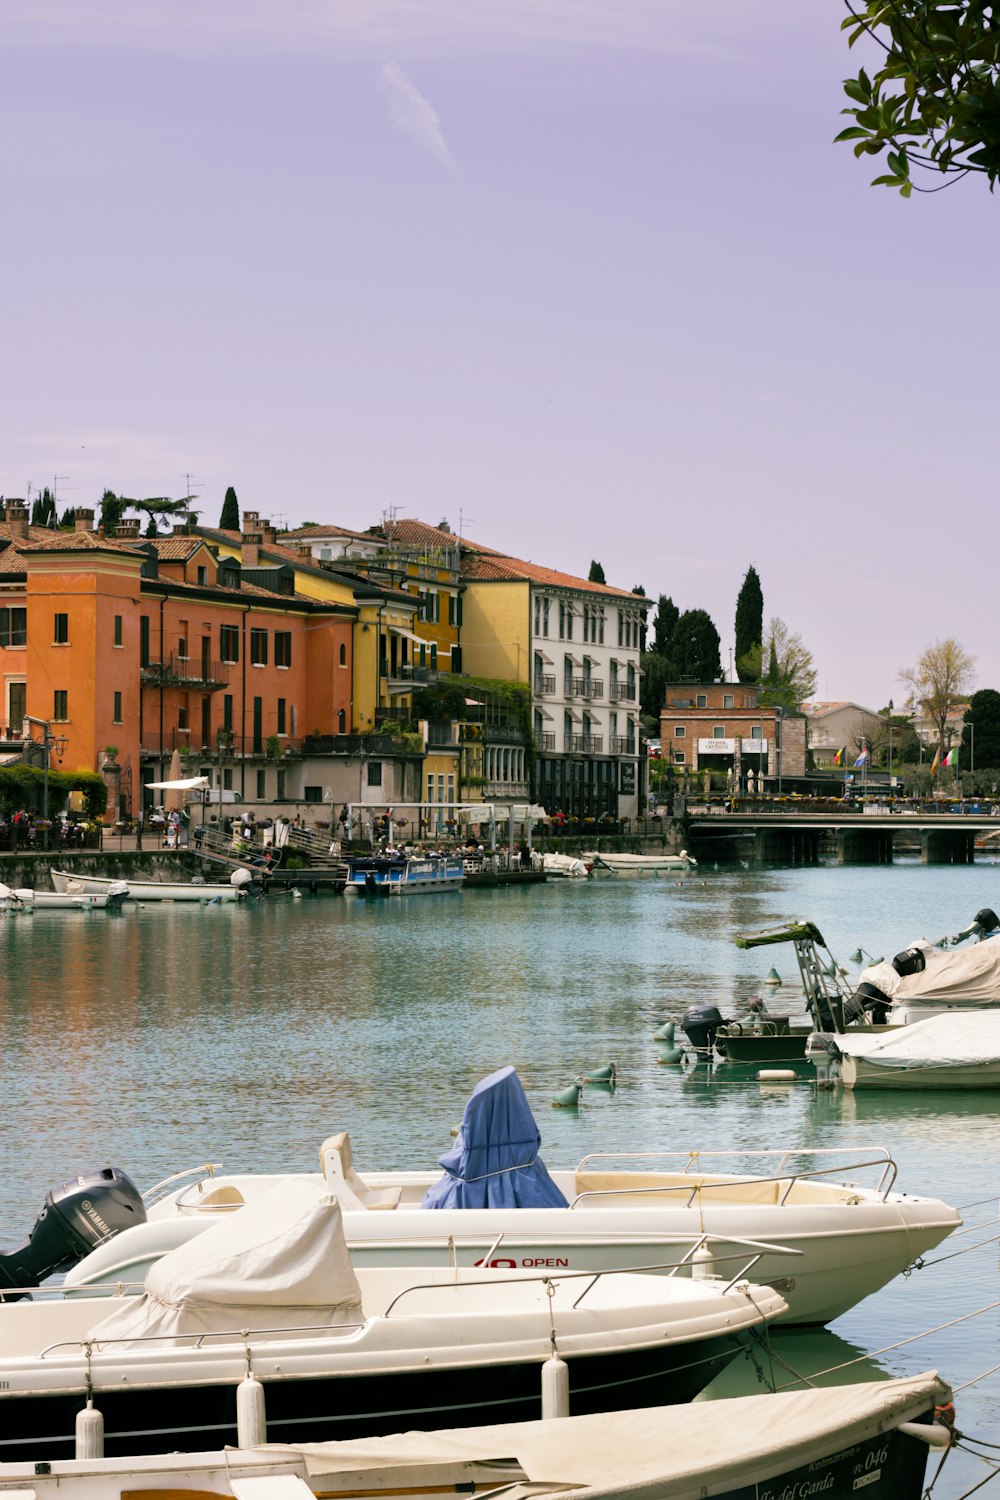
[987,921]
[76,1218]
[700,1024]
[867,1003]
[910,961]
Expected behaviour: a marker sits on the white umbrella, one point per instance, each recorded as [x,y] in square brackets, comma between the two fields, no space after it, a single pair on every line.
[172,798]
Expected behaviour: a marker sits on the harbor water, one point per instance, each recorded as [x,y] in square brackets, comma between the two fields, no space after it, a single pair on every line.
[169,1036]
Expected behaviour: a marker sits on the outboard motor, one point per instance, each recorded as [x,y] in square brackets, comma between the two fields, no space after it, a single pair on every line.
[117,891]
[987,921]
[75,1219]
[867,1003]
[910,961]
[700,1024]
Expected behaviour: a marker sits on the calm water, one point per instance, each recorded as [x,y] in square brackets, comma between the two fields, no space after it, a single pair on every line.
[162,1038]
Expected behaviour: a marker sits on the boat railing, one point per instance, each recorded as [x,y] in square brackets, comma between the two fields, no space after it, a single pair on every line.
[159,1189]
[550,1278]
[695,1161]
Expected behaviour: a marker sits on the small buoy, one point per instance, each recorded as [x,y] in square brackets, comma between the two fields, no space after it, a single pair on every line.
[702,1263]
[777,1075]
[665,1033]
[89,1432]
[773,977]
[568,1099]
[455,1130]
[296,894]
[670,1056]
[555,1388]
[251,1417]
[601,1075]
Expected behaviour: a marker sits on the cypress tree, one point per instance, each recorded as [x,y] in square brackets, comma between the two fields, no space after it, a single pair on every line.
[749,627]
[230,518]
[596,574]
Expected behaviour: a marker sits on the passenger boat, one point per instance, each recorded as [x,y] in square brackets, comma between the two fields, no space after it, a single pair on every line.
[956,1051]
[27,900]
[66,882]
[794,1443]
[565,866]
[640,864]
[404,875]
[271,1293]
[829,1244]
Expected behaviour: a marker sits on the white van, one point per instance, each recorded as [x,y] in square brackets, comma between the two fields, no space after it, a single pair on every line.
[212,796]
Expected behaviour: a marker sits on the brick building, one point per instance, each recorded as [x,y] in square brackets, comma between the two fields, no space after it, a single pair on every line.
[719,726]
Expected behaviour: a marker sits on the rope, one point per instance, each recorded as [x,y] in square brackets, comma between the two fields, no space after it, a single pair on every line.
[978,1203]
[922,1265]
[913,1339]
[975,1380]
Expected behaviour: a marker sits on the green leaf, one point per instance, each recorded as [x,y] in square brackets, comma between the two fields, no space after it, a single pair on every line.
[854,90]
[892,181]
[852,133]
[906,190]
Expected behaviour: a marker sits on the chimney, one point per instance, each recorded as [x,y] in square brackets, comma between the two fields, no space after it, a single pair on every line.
[17,520]
[83,520]
[250,551]
[269,534]
[127,530]
[251,521]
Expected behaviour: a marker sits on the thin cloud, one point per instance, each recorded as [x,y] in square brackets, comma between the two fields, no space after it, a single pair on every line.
[415,115]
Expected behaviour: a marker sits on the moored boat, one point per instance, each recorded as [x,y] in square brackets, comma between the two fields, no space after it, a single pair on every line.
[272,1292]
[25,899]
[497,1204]
[956,1051]
[404,875]
[640,864]
[67,882]
[793,1443]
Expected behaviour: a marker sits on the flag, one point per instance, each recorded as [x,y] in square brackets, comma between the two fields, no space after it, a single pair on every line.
[936,761]
[862,759]
[840,759]
[951,759]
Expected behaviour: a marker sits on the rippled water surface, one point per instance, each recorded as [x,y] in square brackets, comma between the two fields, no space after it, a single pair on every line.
[169,1036]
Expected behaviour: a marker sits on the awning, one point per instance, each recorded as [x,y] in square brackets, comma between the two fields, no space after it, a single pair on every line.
[191,784]
[408,635]
[543,711]
[11,760]
[546,659]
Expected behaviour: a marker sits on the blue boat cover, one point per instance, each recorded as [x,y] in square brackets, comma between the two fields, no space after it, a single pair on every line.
[494,1163]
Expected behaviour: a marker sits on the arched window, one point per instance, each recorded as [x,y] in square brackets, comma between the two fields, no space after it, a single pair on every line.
[343,654]
[341,718]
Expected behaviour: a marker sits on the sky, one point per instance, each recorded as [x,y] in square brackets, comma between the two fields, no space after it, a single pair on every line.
[587,281]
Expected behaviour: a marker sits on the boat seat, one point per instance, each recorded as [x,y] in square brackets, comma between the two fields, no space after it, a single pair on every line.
[221,1200]
[338,1171]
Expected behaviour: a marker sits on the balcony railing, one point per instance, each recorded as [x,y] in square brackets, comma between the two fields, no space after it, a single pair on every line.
[545,687]
[584,687]
[621,745]
[623,692]
[547,740]
[237,747]
[184,671]
[587,744]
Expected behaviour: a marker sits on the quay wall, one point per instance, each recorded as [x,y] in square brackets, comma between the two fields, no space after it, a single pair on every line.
[32,870]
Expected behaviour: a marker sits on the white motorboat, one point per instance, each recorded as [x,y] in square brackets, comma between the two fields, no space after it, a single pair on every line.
[271,1293]
[70,883]
[24,899]
[614,1210]
[404,875]
[928,979]
[794,1443]
[960,1050]
[640,864]
[565,866]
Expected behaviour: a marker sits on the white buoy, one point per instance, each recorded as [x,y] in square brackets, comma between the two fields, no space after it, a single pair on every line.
[555,1387]
[89,1432]
[251,1417]
[777,1075]
[702,1263]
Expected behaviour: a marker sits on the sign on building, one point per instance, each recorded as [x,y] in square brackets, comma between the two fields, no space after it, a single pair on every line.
[717,747]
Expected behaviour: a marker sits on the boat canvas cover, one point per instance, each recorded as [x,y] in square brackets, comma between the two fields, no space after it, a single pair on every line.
[280,1262]
[659,1450]
[494,1162]
[961,1039]
[965,976]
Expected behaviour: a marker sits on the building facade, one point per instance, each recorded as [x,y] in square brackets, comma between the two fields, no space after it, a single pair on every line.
[721,727]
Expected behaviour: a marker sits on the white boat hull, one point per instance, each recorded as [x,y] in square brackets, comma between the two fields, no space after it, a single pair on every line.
[640,864]
[146,890]
[850,1241]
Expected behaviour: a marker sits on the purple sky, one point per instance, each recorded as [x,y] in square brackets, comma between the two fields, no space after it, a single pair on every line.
[590,277]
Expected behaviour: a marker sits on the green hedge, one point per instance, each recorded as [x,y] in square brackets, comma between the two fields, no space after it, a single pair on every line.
[23,786]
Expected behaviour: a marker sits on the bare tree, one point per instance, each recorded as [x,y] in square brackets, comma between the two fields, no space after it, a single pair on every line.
[788,677]
[940,680]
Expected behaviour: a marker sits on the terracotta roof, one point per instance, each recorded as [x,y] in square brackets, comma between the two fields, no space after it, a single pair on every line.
[498,568]
[307,533]
[177,548]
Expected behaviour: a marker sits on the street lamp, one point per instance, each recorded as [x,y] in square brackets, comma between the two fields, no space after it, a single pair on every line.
[49,742]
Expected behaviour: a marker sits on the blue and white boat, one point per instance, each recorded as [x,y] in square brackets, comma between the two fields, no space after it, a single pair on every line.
[398,875]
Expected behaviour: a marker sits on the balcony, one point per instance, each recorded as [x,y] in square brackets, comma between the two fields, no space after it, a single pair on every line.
[622,692]
[587,744]
[185,672]
[545,687]
[584,687]
[547,740]
[621,745]
[361,744]
[235,747]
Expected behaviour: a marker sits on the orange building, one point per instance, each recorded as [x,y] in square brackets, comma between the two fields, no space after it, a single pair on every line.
[153,646]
